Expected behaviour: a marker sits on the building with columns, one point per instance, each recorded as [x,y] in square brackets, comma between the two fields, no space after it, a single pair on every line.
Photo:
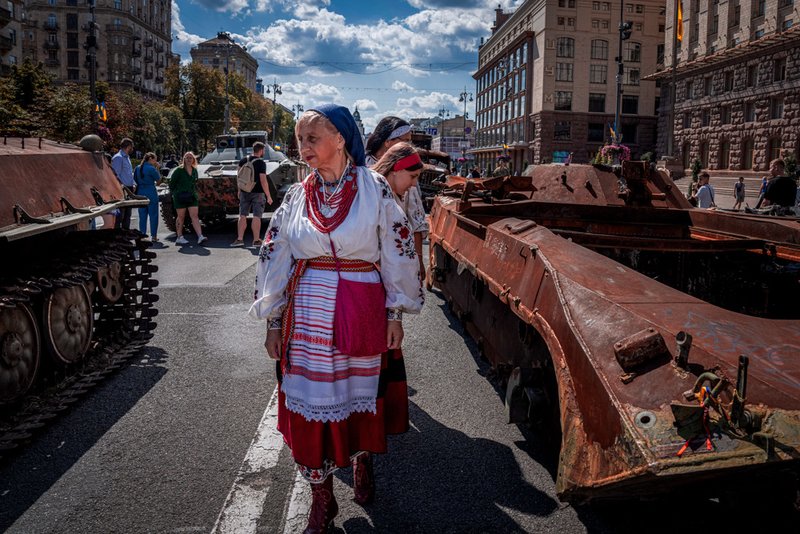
[133,40]
[546,83]
[737,84]
[221,52]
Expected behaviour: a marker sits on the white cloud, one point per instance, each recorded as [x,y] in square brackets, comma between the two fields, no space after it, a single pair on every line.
[403,87]
[365,104]
[178,29]
[309,94]
[224,6]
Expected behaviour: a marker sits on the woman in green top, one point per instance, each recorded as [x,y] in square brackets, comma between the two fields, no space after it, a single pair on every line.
[184,197]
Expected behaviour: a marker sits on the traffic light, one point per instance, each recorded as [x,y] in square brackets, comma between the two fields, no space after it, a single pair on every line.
[625,29]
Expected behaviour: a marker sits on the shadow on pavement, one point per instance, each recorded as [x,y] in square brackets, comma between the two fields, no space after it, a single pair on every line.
[463,484]
[28,475]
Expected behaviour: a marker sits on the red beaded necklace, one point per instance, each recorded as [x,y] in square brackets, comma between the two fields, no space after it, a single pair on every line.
[340,201]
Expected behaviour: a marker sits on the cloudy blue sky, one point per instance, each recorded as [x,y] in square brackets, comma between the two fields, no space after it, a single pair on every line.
[401,57]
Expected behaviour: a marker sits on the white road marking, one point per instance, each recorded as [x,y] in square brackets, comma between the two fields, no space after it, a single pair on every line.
[246,499]
[296,515]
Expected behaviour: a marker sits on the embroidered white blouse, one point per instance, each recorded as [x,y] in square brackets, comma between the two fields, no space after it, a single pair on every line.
[411,203]
[375,230]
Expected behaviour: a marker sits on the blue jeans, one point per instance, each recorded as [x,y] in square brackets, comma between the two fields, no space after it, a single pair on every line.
[151,211]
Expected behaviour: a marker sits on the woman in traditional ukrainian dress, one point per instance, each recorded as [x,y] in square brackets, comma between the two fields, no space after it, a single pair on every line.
[389,132]
[329,412]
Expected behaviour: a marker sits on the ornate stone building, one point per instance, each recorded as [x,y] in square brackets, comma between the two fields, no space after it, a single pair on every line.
[133,40]
[454,136]
[737,80]
[10,47]
[546,82]
[222,51]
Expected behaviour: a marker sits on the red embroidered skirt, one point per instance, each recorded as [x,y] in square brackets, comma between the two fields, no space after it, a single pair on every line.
[313,443]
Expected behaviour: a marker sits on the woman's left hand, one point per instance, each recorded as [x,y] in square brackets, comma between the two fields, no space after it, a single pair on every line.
[394,334]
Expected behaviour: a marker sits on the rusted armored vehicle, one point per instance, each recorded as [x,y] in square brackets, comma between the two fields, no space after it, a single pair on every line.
[437,169]
[216,185]
[662,341]
[76,295]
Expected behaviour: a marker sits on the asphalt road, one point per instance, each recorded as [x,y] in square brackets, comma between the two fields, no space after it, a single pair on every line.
[157,447]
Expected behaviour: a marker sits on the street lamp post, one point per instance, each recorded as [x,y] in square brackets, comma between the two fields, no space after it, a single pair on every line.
[297,109]
[462,97]
[625,29]
[276,90]
[91,59]
[227,46]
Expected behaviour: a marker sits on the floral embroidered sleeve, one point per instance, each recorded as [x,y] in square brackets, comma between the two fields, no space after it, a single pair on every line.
[274,264]
[399,261]
[416,212]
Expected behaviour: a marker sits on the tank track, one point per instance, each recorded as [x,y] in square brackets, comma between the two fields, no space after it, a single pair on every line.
[120,330]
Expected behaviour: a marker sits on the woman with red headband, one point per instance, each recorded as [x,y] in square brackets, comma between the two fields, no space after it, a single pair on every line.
[331,316]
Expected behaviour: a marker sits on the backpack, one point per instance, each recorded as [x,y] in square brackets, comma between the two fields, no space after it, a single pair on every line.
[246,176]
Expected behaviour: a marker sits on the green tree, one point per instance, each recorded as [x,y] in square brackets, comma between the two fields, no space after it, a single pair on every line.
[68,113]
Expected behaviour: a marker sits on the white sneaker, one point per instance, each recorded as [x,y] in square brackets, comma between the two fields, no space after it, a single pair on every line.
[201,239]
[181,241]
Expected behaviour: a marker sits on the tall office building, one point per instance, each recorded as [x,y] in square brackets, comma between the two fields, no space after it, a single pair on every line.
[222,52]
[546,83]
[737,81]
[133,36]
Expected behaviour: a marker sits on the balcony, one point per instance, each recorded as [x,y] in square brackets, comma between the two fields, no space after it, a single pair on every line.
[6,43]
[120,28]
[159,47]
[136,52]
[5,16]
[148,41]
[148,57]
[50,25]
[148,75]
[52,62]
[160,63]
[52,45]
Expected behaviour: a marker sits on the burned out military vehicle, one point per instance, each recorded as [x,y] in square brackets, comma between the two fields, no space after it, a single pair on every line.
[216,186]
[76,295]
[660,342]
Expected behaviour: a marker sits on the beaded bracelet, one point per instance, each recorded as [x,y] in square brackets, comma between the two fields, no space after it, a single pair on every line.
[274,324]
[393,314]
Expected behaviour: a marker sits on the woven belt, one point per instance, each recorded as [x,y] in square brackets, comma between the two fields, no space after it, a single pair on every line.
[328,263]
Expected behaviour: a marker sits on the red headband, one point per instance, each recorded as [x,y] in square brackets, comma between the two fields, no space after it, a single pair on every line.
[408,161]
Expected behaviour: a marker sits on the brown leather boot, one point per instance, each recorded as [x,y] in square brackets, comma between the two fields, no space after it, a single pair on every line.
[323,508]
[363,479]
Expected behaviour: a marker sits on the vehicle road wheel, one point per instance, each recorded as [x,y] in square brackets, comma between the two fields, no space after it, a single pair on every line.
[19,352]
[68,322]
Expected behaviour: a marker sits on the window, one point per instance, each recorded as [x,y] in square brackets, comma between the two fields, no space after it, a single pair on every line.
[689,88]
[565,47]
[773,148]
[632,52]
[752,75]
[637,26]
[599,49]
[704,154]
[605,6]
[729,80]
[707,83]
[787,24]
[118,4]
[705,117]
[52,22]
[779,70]
[725,114]
[561,21]
[566,3]
[72,21]
[639,8]
[72,59]
[630,104]
[629,132]
[597,102]
[759,8]
[776,108]
[596,24]
[747,154]
[657,105]
[72,75]
[597,132]
[749,112]
[628,8]
[736,15]
[687,120]
[660,54]
[661,28]
[604,24]
[759,34]
[595,6]
[563,101]
[724,155]
[630,76]
[562,131]
[571,21]
[564,72]
[598,73]
[714,26]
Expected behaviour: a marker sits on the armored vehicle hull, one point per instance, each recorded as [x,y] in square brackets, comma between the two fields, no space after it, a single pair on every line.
[74,302]
[218,194]
[663,342]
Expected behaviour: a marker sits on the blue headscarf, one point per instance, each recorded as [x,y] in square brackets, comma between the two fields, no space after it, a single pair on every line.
[343,120]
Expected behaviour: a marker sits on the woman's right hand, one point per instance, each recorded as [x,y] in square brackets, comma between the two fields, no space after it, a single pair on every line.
[273,344]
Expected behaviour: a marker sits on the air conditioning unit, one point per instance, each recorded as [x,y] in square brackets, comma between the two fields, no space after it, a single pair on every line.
[550,44]
[549,71]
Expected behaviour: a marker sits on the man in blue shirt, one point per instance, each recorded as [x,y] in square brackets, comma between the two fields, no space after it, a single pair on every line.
[121,163]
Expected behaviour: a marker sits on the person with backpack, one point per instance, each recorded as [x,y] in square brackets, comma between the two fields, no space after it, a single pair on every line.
[254,193]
